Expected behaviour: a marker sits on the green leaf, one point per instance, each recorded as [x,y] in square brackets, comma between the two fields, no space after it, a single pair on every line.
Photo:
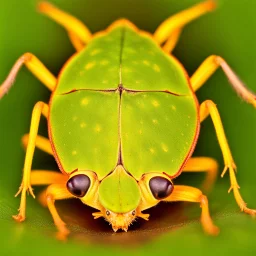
[172,228]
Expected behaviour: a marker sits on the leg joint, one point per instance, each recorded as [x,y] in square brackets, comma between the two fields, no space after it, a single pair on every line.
[27,56]
[203,199]
[209,103]
[49,198]
[41,107]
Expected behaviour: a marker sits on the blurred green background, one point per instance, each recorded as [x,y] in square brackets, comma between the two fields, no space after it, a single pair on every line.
[173,228]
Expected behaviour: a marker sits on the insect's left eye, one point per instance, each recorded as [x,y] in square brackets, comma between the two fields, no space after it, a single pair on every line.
[78,185]
[160,187]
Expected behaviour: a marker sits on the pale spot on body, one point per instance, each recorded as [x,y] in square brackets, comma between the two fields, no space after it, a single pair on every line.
[155,121]
[104,62]
[105,81]
[84,101]
[83,125]
[173,107]
[126,70]
[90,65]
[152,151]
[98,128]
[164,147]
[145,62]
[74,152]
[155,103]
[140,131]
[95,52]
[74,118]
[156,68]
[182,134]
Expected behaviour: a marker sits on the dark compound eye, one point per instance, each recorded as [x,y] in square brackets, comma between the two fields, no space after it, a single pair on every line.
[133,213]
[160,187]
[78,185]
[107,213]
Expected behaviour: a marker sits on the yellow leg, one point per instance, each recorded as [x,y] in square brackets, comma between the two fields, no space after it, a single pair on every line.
[46,177]
[209,66]
[77,43]
[172,41]
[48,197]
[35,66]
[41,143]
[203,164]
[56,191]
[209,108]
[191,194]
[78,32]
[179,20]
[39,108]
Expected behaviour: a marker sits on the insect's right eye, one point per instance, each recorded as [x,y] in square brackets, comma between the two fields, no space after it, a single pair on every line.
[78,185]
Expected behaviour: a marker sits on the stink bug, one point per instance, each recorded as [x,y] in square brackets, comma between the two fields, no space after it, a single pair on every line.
[123,122]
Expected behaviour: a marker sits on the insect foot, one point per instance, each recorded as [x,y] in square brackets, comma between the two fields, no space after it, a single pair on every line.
[23,189]
[63,232]
[235,187]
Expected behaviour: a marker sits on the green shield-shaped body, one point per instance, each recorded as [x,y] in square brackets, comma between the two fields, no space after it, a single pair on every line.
[123,101]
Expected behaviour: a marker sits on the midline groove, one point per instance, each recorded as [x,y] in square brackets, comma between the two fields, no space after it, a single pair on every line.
[124,89]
